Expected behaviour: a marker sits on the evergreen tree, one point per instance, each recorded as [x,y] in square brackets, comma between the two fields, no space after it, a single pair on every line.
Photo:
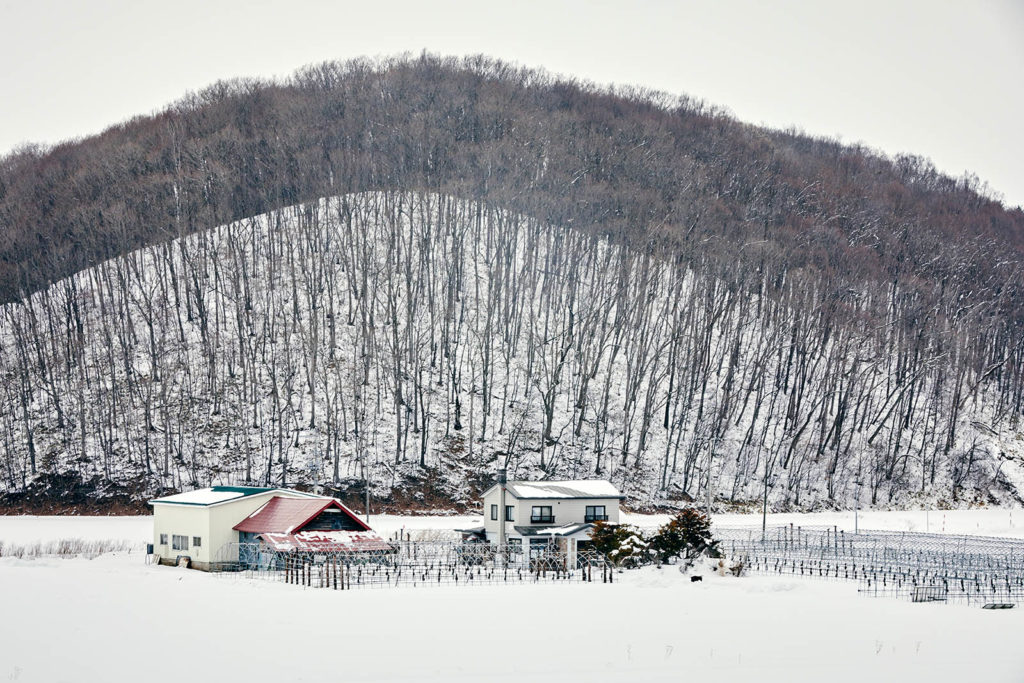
[686,535]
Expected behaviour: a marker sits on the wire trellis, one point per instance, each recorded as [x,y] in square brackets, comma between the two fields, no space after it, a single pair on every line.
[921,567]
[415,563]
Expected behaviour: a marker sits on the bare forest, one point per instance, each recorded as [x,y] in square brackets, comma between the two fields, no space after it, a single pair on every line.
[406,272]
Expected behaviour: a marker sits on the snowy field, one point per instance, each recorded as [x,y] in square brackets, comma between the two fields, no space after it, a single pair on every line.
[989,522]
[115,618]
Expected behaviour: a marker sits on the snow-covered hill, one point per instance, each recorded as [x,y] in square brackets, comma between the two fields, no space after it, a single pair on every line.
[419,340]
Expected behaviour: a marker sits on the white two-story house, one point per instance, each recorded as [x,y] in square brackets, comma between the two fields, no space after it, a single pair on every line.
[536,512]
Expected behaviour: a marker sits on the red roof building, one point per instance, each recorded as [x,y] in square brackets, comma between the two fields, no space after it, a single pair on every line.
[316,525]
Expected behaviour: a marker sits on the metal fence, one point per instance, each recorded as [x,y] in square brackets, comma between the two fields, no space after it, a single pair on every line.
[915,566]
[415,563]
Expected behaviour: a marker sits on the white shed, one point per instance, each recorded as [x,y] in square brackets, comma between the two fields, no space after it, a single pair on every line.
[195,525]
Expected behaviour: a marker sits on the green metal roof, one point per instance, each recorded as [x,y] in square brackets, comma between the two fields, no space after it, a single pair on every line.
[244,490]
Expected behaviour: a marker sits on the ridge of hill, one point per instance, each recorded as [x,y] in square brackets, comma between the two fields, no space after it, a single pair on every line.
[631,164]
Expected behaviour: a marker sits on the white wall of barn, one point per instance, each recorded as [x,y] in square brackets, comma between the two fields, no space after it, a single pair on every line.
[180,520]
[213,524]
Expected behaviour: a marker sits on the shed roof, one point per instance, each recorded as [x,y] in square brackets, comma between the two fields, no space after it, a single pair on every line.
[216,495]
[579,488]
[287,515]
[327,541]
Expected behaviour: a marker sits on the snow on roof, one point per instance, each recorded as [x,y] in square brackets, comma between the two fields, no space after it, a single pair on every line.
[217,495]
[211,496]
[327,541]
[580,488]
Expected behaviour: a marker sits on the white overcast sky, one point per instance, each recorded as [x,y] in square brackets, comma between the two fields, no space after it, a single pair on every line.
[939,78]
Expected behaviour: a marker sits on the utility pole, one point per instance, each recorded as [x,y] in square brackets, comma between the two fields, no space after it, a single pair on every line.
[502,481]
[711,456]
[764,505]
[856,511]
[366,487]
[859,481]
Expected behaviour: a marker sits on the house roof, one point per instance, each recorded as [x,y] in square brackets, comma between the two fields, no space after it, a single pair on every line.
[217,495]
[564,530]
[288,515]
[579,488]
[327,541]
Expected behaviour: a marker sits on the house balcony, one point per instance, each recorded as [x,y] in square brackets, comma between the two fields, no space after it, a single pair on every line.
[595,518]
[542,519]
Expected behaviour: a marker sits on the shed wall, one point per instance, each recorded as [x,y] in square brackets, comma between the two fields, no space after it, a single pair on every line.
[184,520]
[213,524]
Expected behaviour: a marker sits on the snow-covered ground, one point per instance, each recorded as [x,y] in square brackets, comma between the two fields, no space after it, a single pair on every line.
[25,529]
[115,618]
[985,522]
[981,522]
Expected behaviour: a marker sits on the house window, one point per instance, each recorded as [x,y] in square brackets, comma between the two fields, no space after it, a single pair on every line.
[163,539]
[596,513]
[494,512]
[197,541]
[179,542]
[515,546]
[541,514]
[509,515]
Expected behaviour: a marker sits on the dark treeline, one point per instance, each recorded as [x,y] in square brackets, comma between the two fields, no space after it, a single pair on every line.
[789,306]
[631,164]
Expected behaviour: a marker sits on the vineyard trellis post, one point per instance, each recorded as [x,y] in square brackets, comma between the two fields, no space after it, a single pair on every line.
[897,564]
[412,562]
